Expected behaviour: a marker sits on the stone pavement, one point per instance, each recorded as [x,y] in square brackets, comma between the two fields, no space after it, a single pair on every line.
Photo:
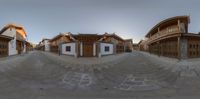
[137,75]
[90,60]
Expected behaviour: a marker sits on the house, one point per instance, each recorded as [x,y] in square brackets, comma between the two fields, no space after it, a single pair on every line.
[45,42]
[18,44]
[56,41]
[135,47]
[4,40]
[118,43]
[128,45]
[43,45]
[142,45]
[171,38]
[29,46]
[39,46]
[87,45]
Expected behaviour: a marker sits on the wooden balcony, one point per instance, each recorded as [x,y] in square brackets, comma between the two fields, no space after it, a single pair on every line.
[164,33]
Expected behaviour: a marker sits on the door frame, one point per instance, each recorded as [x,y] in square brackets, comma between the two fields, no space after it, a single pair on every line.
[87,45]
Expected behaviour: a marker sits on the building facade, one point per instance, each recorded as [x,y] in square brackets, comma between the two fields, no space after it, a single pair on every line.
[44,45]
[17,45]
[135,47]
[4,40]
[87,45]
[55,42]
[142,45]
[171,38]
[29,46]
[129,45]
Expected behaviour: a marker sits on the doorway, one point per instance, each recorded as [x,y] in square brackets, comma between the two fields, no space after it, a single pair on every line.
[88,49]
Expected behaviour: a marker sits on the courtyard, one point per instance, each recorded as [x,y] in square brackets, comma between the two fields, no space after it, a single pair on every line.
[138,75]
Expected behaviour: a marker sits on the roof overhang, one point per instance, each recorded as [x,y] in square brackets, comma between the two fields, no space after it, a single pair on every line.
[61,35]
[112,35]
[19,29]
[186,19]
[191,35]
[6,37]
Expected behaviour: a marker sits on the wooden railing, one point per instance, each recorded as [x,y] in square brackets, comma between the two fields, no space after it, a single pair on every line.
[164,32]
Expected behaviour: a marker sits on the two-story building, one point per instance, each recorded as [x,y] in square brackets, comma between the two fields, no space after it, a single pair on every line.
[29,46]
[44,45]
[142,45]
[55,42]
[171,38]
[128,45]
[87,45]
[18,44]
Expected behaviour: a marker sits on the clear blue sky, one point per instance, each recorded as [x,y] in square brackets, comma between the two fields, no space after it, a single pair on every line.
[128,18]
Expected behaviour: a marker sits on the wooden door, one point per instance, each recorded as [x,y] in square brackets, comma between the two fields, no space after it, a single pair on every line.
[87,49]
[3,48]
[19,47]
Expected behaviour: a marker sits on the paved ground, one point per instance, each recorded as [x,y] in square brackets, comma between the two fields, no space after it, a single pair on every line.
[137,75]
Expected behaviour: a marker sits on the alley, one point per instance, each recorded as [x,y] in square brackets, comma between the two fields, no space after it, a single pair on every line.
[43,75]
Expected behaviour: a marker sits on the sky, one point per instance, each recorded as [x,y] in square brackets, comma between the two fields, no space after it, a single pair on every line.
[130,19]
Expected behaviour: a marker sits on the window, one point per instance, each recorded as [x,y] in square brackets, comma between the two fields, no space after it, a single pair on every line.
[68,48]
[107,48]
[194,46]
[190,45]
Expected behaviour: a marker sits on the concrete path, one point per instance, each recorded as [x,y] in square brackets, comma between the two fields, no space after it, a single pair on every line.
[137,75]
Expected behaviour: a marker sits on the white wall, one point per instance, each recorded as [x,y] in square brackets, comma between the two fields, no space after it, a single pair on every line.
[46,45]
[12,44]
[102,48]
[11,32]
[24,51]
[73,49]
[12,47]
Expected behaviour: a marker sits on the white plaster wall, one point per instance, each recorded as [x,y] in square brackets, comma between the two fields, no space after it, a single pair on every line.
[11,32]
[73,49]
[46,44]
[102,48]
[24,51]
[11,44]
[47,48]
[12,47]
